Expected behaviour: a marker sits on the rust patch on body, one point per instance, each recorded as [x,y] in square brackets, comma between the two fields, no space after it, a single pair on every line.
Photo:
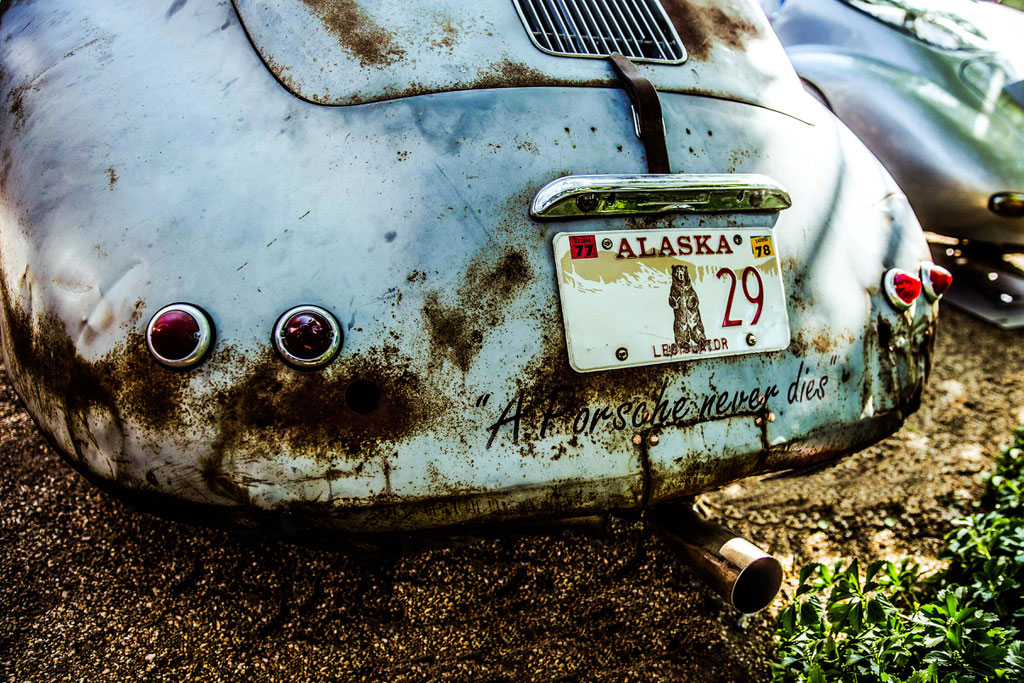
[262,407]
[823,342]
[270,403]
[650,222]
[6,163]
[16,98]
[446,36]
[509,74]
[125,382]
[502,74]
[111,177]
[457,331]
[280,72]
[700,27]
[357,32]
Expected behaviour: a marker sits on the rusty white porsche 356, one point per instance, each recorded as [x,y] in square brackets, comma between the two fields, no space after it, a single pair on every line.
[378,266]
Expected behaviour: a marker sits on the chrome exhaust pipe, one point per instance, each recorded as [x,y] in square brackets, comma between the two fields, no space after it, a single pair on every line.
[746,576]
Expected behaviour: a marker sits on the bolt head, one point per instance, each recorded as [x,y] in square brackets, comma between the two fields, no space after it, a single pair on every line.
[621,353]
[606,243]
[751,339]
[586,202]
[637,439]
[654,439]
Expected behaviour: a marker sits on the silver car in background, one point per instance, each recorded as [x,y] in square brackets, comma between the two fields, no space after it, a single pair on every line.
[382,266]
[935,88]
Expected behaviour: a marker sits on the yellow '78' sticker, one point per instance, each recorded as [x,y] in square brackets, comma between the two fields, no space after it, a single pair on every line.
[762,246]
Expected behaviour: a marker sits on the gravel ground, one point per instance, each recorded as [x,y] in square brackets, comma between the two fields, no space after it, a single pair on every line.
[96,591]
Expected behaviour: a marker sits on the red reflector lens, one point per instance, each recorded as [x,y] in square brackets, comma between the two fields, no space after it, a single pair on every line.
[307,337]
[935,280]
[179,335]
[175,335]
[901,288]
[907,287]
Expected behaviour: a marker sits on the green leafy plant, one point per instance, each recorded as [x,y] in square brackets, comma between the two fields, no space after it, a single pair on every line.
[889,624]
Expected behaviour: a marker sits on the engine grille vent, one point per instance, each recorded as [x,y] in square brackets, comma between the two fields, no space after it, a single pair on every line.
[639,29]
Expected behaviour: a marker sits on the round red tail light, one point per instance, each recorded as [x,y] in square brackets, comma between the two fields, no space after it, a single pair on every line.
[307,337]
[935,280]
[901,288]
[179,335]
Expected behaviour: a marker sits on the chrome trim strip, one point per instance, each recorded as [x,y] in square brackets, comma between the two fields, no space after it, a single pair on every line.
[577,196]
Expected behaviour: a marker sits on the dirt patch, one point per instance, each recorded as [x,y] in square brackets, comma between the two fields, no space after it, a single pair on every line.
[457,329]
[509,74]
[371,44]
[127,378]
[16,108]
[309,411]
[701,26]
[446,37]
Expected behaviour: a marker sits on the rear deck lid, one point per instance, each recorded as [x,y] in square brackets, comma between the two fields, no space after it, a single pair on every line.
[342,52]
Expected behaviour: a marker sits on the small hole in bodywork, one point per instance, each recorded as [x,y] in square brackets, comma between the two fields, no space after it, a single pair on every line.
[884,334]
[362,396]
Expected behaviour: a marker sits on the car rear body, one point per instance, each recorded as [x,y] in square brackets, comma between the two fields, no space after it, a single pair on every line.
[152,156]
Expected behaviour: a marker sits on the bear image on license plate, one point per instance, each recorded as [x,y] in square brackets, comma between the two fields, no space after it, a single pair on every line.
[682,297]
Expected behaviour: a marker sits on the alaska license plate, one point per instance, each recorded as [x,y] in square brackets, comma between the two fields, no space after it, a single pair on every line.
[639,297]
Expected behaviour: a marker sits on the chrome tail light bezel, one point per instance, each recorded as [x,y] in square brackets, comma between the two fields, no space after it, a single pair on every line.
[203,344]
[892,293]
[927,286]
[324,359]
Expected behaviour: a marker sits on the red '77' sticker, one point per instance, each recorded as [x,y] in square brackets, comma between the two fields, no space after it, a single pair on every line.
[583,246]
